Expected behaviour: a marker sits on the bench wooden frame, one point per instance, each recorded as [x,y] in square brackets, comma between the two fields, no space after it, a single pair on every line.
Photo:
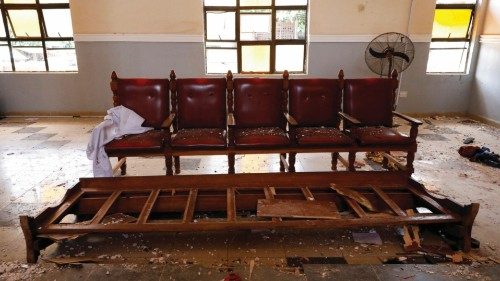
[148,198]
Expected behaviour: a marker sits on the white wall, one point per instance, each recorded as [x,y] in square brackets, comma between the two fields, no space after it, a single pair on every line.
[344,27]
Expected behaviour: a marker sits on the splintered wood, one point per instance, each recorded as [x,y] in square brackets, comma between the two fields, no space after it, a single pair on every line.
[358,197]
[297,209]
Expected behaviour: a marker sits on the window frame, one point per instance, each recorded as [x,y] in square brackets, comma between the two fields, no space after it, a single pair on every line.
[467,39]
[272,43]
[39,7]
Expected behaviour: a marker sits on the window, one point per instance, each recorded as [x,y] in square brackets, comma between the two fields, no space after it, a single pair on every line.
[451,36]
[36,36]
[255,36]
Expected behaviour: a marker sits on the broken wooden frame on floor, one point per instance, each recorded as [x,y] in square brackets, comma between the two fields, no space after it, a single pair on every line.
[223,202]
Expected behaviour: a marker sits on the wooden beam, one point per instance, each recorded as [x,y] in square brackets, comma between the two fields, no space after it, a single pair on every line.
[284,163]
[355,207]
[118,165]
[190,204]
[427,199]
[231,204]
[63,208]
[105,207]
[307,193]
[146,210]
[394,207]
[155,226]
[344,162]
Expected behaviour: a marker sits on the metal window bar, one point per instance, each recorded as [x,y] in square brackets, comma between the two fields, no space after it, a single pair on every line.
[237,9]
[39,7]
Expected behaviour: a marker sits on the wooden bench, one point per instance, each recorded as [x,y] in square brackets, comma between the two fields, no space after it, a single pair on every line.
[154,201]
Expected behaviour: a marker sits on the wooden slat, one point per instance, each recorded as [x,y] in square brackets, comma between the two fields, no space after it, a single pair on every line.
[396,162]
[146,210]
[118,165]
[190,204]
[387,179]
[344,162]
[429,200]
[231,204]
[394,207]
[355,207]
[68,203]
[284,162]
[154,226]
[105,207]
[307,193]
[297,209]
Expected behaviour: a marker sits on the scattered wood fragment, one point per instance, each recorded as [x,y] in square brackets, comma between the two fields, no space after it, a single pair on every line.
[76,261]
[358,197]
[297,209]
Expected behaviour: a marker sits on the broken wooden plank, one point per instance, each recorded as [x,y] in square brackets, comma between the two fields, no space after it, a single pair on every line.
[395,161]
[270,192]
[394,207]
[231,204]
[146,210]
[190,204]
[307,193]
[297,209]
[358,197]
[105,207]
[118,165]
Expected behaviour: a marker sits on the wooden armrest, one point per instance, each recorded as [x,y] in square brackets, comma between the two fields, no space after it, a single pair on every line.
[230,120]
[408,118]
[349,118]
[291,120]
[168,122]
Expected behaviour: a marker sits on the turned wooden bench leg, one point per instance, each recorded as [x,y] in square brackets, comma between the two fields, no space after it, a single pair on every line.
[335,159]
[123,167]
[409,161]
[282,165]
[168,165]
[291,162]
[177,164]
[352,159]
[230,163]
[385,161]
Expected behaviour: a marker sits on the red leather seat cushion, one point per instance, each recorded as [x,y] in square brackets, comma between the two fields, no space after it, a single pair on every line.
[379,136]
[199,138]
[321,136]
[265,136]
[150,140]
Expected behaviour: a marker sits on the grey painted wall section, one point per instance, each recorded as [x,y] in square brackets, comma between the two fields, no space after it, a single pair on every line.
[485,97]
[87,92]
[426,93]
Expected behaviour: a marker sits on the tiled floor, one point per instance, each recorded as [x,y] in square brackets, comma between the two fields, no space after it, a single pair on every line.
[40,158]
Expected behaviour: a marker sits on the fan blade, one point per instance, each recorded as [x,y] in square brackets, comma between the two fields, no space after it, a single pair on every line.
[377,54]
[401,55]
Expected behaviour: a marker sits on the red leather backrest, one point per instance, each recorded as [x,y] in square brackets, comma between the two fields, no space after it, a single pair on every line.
[315,102]
[147,97]
[258,102]
[370,100]
[201,103]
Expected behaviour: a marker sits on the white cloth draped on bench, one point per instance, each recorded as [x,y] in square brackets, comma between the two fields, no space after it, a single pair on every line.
[120,121]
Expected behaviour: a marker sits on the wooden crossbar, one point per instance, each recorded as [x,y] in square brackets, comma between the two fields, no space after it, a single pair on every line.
[190,204]
[394,207]
[427,199]
[231,204]
[62,209]
[146,210]
[105,207]
[307,193]
[355,207]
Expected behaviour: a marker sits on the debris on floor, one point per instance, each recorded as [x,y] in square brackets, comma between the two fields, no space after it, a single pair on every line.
[370,238]
[468,140]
